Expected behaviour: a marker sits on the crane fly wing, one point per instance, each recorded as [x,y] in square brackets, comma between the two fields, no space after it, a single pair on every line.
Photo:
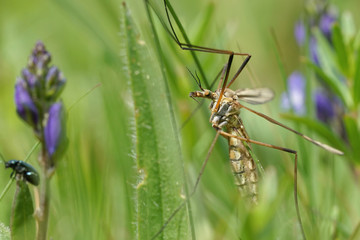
[255,95]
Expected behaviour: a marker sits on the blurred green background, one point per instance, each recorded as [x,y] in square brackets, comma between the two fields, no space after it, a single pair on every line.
[93,189]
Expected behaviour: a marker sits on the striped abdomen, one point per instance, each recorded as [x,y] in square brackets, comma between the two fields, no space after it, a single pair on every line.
[243,165]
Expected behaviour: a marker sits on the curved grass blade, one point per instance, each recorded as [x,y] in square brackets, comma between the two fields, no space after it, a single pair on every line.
[157,152]
[340,49]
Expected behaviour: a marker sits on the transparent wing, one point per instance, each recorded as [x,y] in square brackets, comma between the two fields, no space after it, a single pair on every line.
[255,95]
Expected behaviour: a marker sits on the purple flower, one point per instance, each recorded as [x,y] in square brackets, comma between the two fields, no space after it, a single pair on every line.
[55,132]
[35,94]
[324,107]
[39,59]
[30,79]
[300,33]
[295,96]
[54,83]
[327,20]
[25,106]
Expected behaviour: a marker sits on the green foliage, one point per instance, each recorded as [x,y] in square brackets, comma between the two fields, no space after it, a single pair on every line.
[22,220]
[339,67]
[338,70]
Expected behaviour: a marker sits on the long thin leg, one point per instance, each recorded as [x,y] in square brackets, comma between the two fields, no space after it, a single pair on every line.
[247,59]
[322,145]
[186,46]
[228,67]
[225,134]
[231,54]
[194,189]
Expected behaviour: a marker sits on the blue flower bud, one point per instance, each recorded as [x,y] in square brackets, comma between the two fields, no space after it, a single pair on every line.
[295,95]
[30,79]
[54,83]
[25,106]
[327,20]
[300,33]
[55,132]
[39,59]
[324,107]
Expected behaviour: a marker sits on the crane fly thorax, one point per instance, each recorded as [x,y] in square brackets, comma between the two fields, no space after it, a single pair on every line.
[228,110]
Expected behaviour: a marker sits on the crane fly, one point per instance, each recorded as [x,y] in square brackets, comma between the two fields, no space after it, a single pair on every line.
[225,118]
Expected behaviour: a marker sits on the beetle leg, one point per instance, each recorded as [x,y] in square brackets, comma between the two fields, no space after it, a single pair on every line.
[12,174]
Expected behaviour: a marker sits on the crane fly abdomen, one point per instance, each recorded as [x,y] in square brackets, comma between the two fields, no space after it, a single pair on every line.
[242,165]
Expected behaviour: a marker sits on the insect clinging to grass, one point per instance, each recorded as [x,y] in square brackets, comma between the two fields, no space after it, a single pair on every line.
[226,105]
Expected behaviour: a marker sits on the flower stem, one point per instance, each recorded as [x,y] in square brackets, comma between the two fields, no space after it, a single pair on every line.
[42,213]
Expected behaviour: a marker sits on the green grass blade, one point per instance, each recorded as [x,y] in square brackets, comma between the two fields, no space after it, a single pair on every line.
[356,89]
[172,115]
[340,49]
[348,28]
[22,220]
[353,135]
[335,84]
[158,154]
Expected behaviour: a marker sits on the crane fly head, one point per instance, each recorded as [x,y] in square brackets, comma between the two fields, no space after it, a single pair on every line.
[205,93]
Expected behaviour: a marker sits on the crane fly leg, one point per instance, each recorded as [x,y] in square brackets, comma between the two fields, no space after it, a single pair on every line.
[317,143]
[227,135]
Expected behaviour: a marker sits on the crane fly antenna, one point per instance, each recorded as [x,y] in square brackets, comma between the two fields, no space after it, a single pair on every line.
[200,102]
[197,79]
